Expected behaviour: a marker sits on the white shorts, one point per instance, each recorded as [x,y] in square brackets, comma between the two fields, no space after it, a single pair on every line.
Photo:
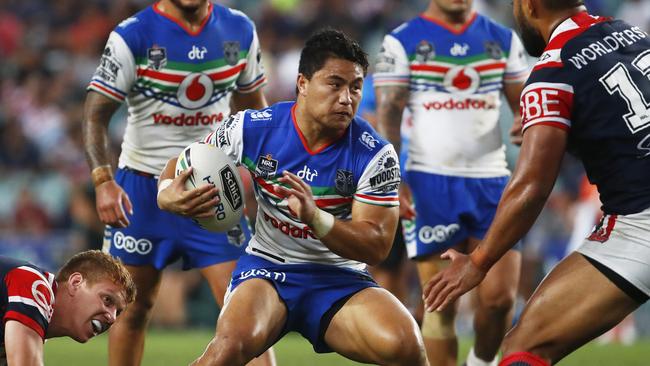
[622,244]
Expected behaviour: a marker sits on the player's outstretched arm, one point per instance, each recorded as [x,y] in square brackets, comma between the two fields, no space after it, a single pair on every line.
[367,237]
[111,201]
[24,347]
[523,199]
[173,197]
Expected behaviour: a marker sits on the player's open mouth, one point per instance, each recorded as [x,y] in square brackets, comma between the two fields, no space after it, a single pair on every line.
[98,327]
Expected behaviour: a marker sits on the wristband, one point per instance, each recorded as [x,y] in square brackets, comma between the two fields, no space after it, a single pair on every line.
[322,223]
[101,174]
[164,184]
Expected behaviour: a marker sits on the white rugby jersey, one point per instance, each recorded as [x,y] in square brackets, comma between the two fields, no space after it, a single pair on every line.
[177,84]
[360,166]
[455,80]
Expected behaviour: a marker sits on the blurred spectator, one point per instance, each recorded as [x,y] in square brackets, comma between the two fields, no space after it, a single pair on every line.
[636,12]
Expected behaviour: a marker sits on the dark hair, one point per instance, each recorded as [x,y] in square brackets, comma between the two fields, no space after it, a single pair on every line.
[96,266]
[330,43]
[562,4]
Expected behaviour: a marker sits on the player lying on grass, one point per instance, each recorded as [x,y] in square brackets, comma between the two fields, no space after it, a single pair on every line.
[81,301]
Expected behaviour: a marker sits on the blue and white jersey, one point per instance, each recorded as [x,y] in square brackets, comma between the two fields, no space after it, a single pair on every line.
[455,80]
[177,83]
[360,166]
[592,80]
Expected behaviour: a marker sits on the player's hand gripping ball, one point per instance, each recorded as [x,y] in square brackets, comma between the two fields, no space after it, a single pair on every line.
[210,165]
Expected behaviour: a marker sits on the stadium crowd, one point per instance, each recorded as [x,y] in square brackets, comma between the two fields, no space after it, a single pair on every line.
[50,49]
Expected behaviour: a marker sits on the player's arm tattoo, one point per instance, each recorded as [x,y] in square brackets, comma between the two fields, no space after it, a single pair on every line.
[98,110]
[391,101]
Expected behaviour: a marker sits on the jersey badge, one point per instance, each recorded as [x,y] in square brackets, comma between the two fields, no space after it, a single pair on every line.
[231,52]
[266,167]
[343,183]
[493,49]
[425,51]
[157,57]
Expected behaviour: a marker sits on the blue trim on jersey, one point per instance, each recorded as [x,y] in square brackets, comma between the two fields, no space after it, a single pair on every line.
[118,91]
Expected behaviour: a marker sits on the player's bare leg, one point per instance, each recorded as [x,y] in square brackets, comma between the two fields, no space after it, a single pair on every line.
[218,277]
[248,324]
[126,336]
[574,304]
[496,297]
[374,327]
[438,328]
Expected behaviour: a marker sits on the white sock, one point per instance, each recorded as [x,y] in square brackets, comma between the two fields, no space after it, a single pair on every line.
[473,360]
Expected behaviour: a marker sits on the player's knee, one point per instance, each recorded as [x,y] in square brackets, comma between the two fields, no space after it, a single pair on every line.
[438,325]
[526,339]
[238,346]
[500,304]
[403,347]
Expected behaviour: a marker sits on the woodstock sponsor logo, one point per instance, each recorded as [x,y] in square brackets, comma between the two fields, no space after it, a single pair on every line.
[198,119]
[289,229]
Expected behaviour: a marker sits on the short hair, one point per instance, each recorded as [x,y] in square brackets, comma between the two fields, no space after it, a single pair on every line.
[330,43]
[562,4]
[96,266]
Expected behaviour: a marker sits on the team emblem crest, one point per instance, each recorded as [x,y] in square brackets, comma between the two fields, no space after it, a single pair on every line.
[343,184]
[424,51]
[231,52]
[266,167]
[157,57]
[493,50]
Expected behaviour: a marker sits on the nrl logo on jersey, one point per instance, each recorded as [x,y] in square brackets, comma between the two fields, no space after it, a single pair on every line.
[157,57]
[493,50]
[266,167]
[231,52]
[424,51]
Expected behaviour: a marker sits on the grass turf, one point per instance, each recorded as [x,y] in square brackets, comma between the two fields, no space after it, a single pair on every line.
[174,348]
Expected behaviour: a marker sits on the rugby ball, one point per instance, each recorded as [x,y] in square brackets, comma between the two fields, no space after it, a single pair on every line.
[210,165]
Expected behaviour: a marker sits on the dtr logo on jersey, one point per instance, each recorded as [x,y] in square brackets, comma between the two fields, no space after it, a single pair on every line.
[462,79]
[197,53]
[368,140]
[459,49]
[195,90]
[307,174]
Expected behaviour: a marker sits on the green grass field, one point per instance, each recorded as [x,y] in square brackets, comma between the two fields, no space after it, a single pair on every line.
[168,348]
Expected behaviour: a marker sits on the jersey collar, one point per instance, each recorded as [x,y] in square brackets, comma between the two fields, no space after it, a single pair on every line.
[187,30]
[571,27]
[439,22]
[302,137]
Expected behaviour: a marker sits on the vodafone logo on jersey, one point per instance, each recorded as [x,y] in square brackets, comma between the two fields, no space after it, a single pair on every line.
[452,104]
[195,90]
[462,80]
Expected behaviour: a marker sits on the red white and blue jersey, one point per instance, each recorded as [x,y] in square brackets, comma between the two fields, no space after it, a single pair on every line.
[455,78]
[360,166]
[26,296]
[177,83]
[593,81]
